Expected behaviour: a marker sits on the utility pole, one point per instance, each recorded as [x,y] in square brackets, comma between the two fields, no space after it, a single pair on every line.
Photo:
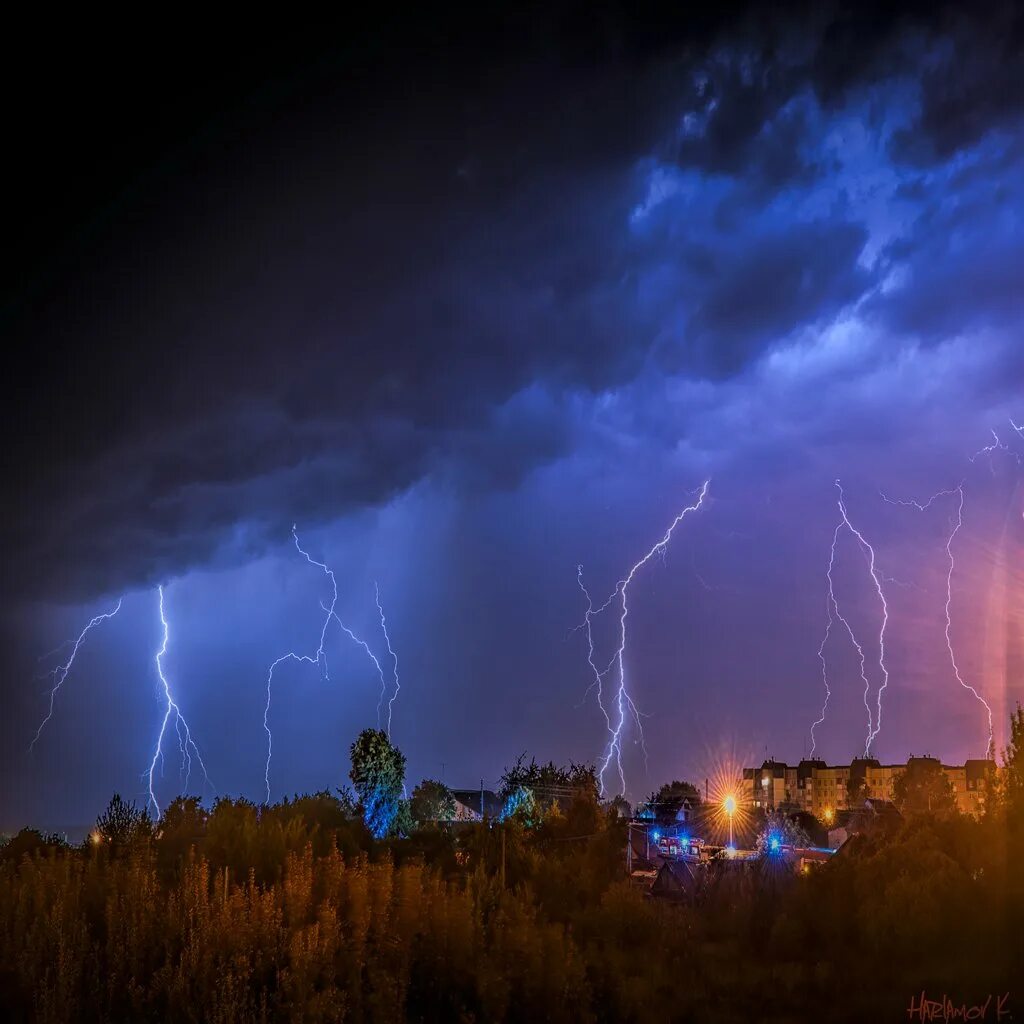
[443,763]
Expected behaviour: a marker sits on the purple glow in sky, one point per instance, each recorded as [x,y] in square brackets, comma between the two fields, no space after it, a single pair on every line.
[482,305]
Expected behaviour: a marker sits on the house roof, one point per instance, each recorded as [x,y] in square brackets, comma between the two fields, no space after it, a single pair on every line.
[472,798]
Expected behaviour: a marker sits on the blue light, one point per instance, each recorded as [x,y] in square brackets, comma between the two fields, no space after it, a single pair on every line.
[655,836]
[684,840]
[774,844]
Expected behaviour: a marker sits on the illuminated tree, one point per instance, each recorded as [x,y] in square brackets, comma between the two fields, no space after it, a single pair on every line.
[779,831]
[378,774]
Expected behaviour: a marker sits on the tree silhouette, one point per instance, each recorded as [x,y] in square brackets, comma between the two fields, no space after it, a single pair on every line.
[924,789]
[123,823]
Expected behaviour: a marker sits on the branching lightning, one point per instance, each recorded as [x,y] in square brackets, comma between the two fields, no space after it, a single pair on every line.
[185,742]
[830,603]
[319,658]
[956,523]
[373,657]
[60,673]
[623,701]
[849,629]
[387,640]
[874,730]
[834,612]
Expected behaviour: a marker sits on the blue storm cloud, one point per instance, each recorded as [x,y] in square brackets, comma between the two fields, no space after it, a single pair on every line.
[466,360]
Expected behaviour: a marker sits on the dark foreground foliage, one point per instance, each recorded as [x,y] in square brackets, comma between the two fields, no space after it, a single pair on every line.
[295,913]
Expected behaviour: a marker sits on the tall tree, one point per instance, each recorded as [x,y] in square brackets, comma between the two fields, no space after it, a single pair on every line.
[924,789]
[378,774]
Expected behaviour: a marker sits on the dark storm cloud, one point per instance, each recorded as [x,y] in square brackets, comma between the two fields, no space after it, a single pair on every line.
[327,311]
[804,274]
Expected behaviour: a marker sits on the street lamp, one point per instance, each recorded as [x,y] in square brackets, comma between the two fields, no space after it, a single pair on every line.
[729,805]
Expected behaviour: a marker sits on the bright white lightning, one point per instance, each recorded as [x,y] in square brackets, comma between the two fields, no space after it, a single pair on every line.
[598,674]
[874,730]
[623,702]
[387,640]
[830,603]
[319,658]
[832,606]
[373,657]
[185,742]
[60,673]
[956,524]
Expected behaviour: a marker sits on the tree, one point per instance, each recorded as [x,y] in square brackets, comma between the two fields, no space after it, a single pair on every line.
[619,808]
[667,802]
[28,842]
[123,823]
[550,783]
[780,830]
[1013,766]
[856,791]
[432,801]
[924,789]
[378,774]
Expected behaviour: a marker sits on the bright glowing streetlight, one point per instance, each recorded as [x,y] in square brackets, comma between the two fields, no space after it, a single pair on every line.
[729,805]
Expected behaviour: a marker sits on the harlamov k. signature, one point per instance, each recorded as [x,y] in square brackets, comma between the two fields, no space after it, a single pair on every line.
[993,1007]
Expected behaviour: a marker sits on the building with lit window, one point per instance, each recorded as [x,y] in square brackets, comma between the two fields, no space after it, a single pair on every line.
[823,789]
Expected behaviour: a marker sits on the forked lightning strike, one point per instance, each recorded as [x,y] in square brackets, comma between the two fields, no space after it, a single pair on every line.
[185,742]
[874,730]
[60,673]
[373,657]
[623,702]
[319,657]
[956,523]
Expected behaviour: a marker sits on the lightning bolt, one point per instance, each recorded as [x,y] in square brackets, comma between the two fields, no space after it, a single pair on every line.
[319,658]
[387,640]
[623,701]
[373,657]
[185,742]
[832,606]
[997,445]
[60,673]
[874,730]
[956,524]
[830,603]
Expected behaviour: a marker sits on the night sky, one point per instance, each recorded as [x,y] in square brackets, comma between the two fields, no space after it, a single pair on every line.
[475,300]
